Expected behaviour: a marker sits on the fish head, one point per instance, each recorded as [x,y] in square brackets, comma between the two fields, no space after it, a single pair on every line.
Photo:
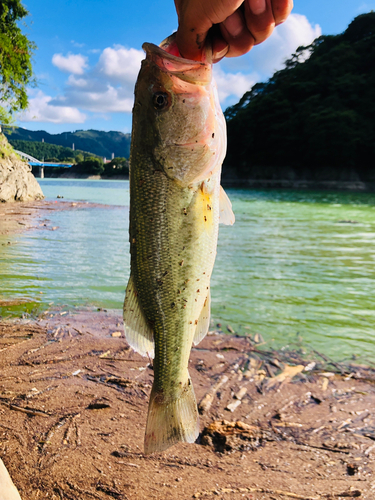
[178,115]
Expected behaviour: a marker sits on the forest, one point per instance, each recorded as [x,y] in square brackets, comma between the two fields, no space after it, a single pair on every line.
[314,119]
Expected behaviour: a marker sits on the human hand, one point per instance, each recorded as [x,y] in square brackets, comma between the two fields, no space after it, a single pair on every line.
[234,26]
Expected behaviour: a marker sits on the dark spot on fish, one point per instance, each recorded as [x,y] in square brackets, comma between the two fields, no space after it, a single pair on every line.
[183,100]
[181,263]
[190,322]
[173,305]
[209,207]
[198,291]
[196,322]
[213,135]
[197,279]
[205,218]
[165,273]
[185,211]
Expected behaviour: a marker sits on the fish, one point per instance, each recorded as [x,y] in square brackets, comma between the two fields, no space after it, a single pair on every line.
[177,148]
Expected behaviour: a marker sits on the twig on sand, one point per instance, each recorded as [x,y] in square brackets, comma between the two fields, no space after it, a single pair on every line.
[33,413]
[218,491]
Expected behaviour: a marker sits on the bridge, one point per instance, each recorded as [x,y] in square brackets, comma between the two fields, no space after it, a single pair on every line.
[33,162]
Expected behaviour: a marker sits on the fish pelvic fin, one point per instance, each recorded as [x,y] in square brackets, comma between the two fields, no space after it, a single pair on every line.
[171,421]
[225,208]
[204,320]
[138,332]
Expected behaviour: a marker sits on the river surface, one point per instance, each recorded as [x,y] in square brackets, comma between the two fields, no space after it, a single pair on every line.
[297,266]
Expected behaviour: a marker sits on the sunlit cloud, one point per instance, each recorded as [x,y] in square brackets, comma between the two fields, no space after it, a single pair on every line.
[72,63]
[233,84]
[120,63]
[270,56]
[41,110]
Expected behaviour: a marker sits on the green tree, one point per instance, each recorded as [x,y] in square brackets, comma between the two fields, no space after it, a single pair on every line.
[89,166]
[15,60]
[117,166]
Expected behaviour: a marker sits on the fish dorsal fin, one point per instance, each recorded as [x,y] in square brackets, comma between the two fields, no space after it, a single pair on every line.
[204,320]
[226,215]
[139,334]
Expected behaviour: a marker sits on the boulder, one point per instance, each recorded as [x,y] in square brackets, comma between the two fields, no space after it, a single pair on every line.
[17,183]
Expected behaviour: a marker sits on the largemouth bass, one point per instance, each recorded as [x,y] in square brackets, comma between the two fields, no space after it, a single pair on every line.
[178,146]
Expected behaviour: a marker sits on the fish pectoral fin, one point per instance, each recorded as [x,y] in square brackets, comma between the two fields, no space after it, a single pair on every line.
[138,332]
[203,321]
[226,215]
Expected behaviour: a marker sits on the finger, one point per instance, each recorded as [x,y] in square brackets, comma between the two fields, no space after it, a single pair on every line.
[236,34]
[281,10]
[259,19]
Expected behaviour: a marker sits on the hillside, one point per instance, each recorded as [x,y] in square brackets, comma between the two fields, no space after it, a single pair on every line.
[94,141]
[315,118]
[43,151]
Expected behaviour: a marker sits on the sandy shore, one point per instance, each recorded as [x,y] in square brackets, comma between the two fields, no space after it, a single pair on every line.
[274,424]
[73,405]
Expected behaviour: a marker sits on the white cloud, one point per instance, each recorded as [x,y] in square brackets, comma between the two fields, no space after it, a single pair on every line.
[120,63]
[232,84]
[98,98]
[41,110]
[270,55]
[76,82]
[72,63]
[108,87]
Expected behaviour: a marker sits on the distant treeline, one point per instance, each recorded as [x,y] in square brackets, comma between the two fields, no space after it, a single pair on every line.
[315,118]
[88,166]
[99,143]
[48,152]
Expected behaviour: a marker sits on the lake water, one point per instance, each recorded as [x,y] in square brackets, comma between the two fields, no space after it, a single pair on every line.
[295,267]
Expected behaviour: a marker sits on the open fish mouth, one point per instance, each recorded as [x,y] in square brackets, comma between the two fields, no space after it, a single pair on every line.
[195,72]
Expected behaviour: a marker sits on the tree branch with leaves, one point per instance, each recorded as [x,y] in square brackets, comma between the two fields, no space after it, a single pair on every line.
[16,51]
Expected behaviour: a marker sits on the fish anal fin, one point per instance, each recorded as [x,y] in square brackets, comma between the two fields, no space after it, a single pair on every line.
[203,321]
[138,332]
[226,215]
[171,421]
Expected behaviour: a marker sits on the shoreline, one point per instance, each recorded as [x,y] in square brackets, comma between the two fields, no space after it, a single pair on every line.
[354,186]
[303,185]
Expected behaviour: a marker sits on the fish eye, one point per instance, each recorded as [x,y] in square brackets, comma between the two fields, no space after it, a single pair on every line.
[160,100]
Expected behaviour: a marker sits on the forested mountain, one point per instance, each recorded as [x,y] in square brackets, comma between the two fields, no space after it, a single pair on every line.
[94,141]
[43,151]
[315,119]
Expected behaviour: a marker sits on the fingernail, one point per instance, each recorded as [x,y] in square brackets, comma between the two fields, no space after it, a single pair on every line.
[219,55]
[257,7]
[234,24]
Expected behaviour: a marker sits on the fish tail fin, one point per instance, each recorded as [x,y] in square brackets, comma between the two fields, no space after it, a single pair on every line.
[171,421]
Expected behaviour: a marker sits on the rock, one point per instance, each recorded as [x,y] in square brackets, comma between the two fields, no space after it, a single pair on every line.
[17,183]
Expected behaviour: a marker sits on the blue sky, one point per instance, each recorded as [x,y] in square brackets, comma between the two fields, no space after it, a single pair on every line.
[89,52]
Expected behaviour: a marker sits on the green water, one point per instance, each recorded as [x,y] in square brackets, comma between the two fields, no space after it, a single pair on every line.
[296,266]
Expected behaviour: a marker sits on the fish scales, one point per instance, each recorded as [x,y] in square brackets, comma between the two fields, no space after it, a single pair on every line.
[174,215]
